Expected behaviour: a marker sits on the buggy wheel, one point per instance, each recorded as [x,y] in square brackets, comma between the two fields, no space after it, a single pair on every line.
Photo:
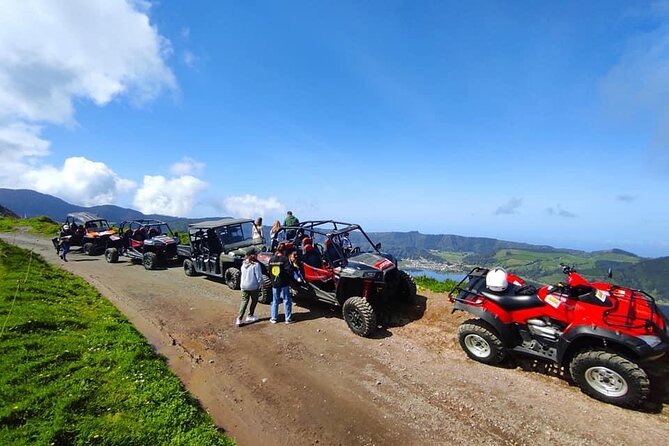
[360,316]
[406,288]
[265,290]
[111,255]
[481,342]
[610,377]
[189,268]
[150,260]
[87,248]
[233,277]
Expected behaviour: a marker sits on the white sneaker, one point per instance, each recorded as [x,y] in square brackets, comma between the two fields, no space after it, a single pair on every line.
[238,321]
[272,321]
[251,319]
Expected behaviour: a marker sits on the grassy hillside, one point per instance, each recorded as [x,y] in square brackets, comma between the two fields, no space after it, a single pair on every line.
[37,225]
[75,371]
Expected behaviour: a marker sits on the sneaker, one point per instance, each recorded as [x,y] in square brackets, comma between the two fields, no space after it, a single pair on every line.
[272,321]
[251,319]
[238,321]
[289,321]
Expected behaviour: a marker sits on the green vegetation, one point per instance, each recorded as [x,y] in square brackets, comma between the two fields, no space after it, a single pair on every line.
[435,285]
[75,371]
[37,225]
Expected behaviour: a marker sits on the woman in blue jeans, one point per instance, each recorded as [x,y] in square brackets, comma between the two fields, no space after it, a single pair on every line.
[280,271]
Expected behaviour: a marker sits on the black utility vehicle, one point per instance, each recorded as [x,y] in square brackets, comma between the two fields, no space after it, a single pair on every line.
[217,248]
[87,230]
[343,267]
[150,242]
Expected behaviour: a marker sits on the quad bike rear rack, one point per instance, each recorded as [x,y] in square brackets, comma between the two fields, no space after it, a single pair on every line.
[463,294]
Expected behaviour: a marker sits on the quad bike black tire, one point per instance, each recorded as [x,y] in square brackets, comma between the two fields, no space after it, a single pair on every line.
[233,278]
[265,290]
[481,342]
[150,260]
[111,255]
[610,377]
[87,249]
[189,268]
[359,316]
[406,289]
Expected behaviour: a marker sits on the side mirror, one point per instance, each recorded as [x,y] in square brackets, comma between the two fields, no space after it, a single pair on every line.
[609,274]
[378,246]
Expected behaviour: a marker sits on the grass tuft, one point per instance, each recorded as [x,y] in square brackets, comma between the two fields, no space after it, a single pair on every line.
[434,285]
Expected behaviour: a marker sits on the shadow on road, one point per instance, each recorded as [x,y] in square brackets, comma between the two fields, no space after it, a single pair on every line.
[658,374]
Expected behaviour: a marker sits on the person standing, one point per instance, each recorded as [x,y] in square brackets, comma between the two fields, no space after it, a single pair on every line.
[64,247]
[280,273]
[257,231]
[290,220]
[273,234]
[250,285]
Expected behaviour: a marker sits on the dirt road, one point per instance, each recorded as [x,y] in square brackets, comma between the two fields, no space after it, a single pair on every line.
[314,382]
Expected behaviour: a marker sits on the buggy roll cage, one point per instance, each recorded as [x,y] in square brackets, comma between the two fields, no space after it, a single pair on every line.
[338,228]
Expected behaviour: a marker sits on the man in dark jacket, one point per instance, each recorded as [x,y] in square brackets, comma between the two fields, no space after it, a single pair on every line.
[290,220]
[280,273]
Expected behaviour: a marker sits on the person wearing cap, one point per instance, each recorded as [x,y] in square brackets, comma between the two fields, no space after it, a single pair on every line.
[250,285]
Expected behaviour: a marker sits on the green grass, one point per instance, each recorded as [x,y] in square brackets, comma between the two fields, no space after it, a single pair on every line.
[435,285]
[75,371]
[37,225]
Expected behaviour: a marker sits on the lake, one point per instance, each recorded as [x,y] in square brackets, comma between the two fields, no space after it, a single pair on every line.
[436,275]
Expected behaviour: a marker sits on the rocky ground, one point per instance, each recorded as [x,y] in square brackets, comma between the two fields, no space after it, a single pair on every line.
[315,382]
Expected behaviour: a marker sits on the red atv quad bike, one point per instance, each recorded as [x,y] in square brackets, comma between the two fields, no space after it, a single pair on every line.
[603,334]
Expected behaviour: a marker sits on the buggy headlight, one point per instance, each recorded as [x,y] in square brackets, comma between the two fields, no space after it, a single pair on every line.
[652,341]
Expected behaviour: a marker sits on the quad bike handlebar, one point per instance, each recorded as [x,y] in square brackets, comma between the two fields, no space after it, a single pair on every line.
[567,269]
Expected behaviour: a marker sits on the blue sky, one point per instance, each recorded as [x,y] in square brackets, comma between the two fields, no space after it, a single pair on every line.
[542,122]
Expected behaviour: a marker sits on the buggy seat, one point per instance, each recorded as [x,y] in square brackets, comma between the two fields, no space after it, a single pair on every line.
[312,274]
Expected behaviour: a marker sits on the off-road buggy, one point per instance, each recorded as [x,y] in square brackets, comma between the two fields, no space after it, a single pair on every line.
[604,335]
[87,230]
[150,242]
[343,267]
[217,249]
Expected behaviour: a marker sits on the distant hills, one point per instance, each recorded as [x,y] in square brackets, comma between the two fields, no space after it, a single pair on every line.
[4,212]
[535,262]
[29,203]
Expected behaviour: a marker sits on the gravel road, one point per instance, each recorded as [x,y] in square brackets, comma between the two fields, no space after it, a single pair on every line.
[315,382]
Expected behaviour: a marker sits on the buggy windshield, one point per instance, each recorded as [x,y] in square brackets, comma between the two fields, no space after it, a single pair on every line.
[236,235]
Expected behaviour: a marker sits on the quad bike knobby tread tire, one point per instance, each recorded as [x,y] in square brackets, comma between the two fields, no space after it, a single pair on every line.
[189,268]
[111,255]
[481,342]
[87,248]
[265,290]
[609,377]
[406,290]
[233,278]
[150,260]
[359,315]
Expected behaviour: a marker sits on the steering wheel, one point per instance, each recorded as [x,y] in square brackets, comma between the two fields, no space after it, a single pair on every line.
[355,251]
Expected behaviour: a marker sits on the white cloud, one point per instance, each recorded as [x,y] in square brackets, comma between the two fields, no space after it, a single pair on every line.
[79,181]
[189,59]
[251,206]
[509,208]
[53,53]
[175,196]
[187,166]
